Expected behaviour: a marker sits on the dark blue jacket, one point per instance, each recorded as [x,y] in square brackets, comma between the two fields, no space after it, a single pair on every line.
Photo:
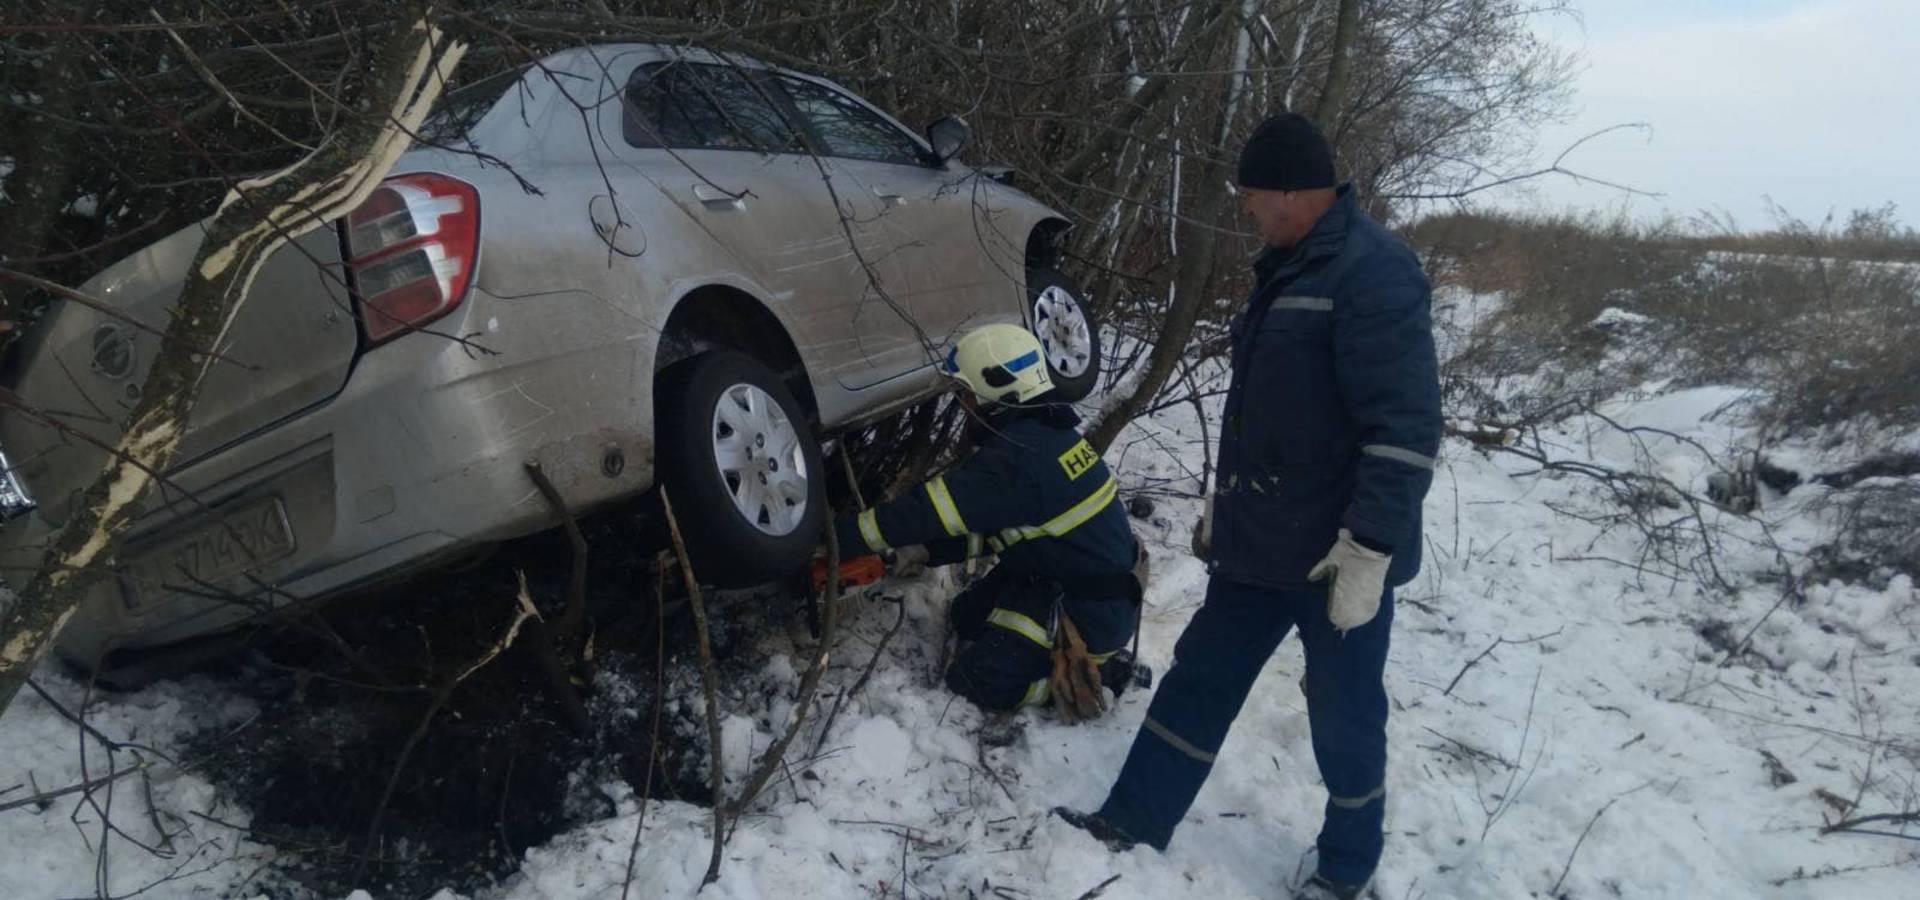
[1033,492]
[1333,416]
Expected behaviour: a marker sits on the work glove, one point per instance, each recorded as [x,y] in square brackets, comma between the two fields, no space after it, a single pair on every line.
[1075,682]
[1358,576]
[909,561]
[1203,533]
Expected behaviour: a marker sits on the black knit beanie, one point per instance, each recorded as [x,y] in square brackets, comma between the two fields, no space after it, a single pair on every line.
[1286,153]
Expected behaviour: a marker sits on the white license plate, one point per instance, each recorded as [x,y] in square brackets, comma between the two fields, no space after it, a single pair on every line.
[203,559]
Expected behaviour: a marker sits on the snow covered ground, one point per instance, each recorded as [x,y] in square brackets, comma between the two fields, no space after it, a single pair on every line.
[1560,728]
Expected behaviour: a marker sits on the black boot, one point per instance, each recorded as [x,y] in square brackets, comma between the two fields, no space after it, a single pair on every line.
[1091,823]
[1120,672]
[1319,888]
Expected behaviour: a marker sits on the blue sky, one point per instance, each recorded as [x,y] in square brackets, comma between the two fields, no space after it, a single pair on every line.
[1814,103]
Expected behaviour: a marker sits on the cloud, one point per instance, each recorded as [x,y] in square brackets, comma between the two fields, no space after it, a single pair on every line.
[1816,104]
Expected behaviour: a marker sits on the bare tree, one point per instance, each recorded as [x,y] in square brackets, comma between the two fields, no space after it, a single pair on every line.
[1333,97]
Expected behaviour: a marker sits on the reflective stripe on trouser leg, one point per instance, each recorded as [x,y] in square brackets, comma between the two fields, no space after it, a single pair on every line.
[1011,650]
[870,531]
[1347,712]
[1215,663]
[1003,670]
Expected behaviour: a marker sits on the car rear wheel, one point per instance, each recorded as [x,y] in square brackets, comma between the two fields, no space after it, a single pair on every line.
[742,465]
[1069,336]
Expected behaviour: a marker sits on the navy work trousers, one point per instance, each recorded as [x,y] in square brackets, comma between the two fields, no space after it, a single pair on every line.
[1000,668]
[1215,664]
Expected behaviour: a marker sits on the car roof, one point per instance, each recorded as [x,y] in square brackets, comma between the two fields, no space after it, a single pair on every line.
[588,60]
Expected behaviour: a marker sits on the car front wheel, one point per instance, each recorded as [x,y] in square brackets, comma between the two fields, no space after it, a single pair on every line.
[742,465]
[1069,336]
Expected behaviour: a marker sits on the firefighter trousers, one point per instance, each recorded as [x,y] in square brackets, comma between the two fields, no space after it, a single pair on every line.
[1006,624]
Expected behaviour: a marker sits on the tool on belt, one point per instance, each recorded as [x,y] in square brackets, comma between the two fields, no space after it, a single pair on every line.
[1075,682]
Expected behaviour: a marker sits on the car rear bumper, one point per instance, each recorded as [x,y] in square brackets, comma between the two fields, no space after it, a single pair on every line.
[421,456]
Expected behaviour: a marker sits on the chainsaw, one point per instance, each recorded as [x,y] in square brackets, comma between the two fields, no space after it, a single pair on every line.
[858,571]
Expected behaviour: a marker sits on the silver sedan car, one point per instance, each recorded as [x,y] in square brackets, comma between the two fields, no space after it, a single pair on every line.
[627,264]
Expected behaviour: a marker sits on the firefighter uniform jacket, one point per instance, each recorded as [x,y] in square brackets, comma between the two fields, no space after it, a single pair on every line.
[1034,492]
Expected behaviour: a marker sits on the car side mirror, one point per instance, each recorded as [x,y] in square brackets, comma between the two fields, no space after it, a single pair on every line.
[947,136]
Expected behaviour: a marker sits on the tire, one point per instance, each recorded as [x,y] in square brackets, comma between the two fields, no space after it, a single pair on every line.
[726,425]
[1068,333]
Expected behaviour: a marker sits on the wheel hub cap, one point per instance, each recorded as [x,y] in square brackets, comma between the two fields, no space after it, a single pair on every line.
[1061,326]
[757,450]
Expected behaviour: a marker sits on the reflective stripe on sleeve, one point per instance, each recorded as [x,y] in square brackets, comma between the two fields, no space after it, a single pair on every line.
[1082,511]
[1400,455]
[1310,304]
[870,531]
[974,545]
[1022,625]
[943,507]
[1059,525]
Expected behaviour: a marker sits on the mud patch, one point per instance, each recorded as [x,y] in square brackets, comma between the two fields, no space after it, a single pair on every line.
[497,770]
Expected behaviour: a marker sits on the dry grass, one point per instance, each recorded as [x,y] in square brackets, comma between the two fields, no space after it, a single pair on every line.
[1824,317]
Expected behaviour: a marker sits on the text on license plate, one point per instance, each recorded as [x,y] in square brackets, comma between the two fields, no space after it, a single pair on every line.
[198,561]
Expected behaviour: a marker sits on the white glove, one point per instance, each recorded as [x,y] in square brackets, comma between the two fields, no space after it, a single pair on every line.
[1359,578]
[1203,533]
[909,561]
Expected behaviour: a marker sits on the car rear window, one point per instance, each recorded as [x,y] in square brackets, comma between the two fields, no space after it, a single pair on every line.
[700,106]
[459,110]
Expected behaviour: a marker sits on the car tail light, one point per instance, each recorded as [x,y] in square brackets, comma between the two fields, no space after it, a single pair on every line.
[413,246]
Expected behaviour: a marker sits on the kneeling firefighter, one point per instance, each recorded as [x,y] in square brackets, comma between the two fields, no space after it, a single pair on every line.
[1050,621]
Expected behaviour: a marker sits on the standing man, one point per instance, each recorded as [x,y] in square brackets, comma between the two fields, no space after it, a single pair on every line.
[1050,621]
[1327,447]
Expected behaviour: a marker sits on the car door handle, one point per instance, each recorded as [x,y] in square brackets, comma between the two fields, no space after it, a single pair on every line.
[715,198]
[889,196]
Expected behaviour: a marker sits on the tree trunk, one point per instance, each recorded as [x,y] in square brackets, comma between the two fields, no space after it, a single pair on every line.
[1197,236]
[256,218]
[1198,242]
[36,189]
[1333,97]
[1199,239]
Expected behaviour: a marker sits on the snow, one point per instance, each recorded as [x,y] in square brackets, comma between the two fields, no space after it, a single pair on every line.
[1560,727]
[1615,317]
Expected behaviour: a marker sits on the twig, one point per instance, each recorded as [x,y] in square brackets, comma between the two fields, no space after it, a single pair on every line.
[69,715]
[1509,795]
[1490,648]
[1098,889]
[861,682]
[48,796]
[1852,825]
[566,631]
[809,683]
[659,702]
[706,685]
[1576,846]
[521,614]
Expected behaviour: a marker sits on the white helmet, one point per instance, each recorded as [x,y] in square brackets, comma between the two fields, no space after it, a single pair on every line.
[1000,364]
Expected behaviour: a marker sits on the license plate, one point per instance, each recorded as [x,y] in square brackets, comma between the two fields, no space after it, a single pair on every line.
[201,560]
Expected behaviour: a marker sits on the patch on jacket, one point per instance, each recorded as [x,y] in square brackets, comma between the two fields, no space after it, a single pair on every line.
[1078,460]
